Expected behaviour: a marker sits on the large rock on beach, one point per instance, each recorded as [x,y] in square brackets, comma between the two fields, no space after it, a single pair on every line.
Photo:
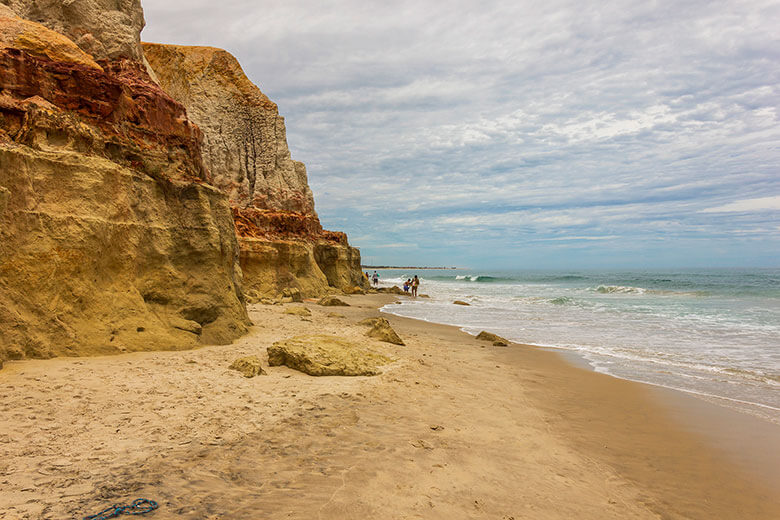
[496,340]
[298,310]
[322,355]
[461,302]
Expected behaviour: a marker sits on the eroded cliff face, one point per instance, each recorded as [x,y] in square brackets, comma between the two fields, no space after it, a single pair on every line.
[245,150]
[110,238]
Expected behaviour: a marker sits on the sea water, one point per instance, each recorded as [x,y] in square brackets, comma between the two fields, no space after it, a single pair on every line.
[713,333]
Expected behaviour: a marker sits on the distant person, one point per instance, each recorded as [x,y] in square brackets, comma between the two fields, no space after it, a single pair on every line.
[368,278]
[376,278]
[407,284]
[415,285]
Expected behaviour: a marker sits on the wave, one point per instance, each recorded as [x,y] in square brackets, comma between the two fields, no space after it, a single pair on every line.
[561,300]
[620,289]
[482,278]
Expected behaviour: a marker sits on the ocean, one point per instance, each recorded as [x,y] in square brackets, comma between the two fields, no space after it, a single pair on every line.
[714,333]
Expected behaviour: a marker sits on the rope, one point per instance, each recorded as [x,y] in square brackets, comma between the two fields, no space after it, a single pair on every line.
[140,506]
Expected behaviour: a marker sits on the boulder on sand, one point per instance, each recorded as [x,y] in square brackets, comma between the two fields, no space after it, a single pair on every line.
[291,294]
[297,310]
[321,355]
[332,301]
[461,302]
[391,290]
[381,330]
[353,290]
[248,366]
[497,341]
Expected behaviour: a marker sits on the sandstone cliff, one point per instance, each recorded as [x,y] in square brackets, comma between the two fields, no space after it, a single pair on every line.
[245,150]
[110,238]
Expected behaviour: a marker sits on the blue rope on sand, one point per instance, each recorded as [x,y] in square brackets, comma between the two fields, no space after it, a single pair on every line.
[140,506]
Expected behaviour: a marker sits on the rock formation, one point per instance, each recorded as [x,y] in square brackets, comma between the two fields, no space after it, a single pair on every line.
[110,238]
[325,356]
[245,150]
[496,340]
[381,330]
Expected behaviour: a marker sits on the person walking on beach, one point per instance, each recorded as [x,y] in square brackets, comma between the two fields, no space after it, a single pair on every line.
[415,285]
[407,284]
[376,278]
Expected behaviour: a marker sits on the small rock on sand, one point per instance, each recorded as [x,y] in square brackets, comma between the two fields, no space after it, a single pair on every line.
[460,302]
[353,290]
[297,310]
[497,341]
[391,290]
[321,355]
[381,330]
[332,301]
[248,366]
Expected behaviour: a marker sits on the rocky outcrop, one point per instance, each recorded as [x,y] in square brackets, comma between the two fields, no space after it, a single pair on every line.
[496,340]
[325,356]
[248,366]
[104,29]
[245,150]
[110,238]
[381,330]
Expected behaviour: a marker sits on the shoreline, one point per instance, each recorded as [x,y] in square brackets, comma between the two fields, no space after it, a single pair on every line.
[454,428]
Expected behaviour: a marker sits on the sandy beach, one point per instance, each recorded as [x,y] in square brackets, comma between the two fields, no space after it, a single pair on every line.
[452,428]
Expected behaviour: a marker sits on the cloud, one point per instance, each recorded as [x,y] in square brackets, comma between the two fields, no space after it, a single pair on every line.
[747,205]
[476,128]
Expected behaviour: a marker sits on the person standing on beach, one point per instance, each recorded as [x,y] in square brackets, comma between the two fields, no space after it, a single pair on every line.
[415,285]
[376,278]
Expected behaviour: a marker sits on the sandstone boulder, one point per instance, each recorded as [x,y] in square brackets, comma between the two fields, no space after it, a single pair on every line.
[248,366]
[461,302]
[321,355]
[298,310]
[391,290]
[497,341]
[382,331]
[370,321]
[293,293]
[332,301]
[353,290]
[423,296]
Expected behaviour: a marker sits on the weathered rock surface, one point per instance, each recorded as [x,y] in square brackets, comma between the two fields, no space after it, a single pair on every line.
[332,301]
[104,29]
[353,290]
[249,366]
[297,310]
[110,241]
[245,140]
[382,331]
[323,355]
[391,290]
[496,340]
[461,302]
[245,149]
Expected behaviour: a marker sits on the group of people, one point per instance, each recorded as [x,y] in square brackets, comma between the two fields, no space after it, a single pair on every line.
[413,284]
[410,283]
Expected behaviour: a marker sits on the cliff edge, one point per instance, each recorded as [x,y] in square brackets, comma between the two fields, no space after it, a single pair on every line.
[245,151]
[111,240]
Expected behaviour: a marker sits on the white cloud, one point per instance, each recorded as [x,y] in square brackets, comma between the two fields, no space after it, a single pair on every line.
[747,205]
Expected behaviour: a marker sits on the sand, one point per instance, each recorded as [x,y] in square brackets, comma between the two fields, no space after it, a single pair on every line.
[453,428]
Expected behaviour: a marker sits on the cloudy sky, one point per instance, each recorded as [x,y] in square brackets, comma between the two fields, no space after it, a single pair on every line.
[522,134]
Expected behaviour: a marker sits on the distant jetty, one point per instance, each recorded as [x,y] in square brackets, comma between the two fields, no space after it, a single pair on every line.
[404,267]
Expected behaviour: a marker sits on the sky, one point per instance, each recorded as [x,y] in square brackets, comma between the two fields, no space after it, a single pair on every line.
[521,134]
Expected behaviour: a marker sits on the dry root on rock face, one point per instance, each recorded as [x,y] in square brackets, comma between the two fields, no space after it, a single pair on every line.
[322,355]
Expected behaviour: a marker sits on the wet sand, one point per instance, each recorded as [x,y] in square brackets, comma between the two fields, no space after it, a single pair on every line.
[454,428]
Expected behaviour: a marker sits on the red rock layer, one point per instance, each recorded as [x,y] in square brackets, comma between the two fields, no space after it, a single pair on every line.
[134,115]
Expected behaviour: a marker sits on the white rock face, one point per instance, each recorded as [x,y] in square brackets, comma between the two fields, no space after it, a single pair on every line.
[245,140]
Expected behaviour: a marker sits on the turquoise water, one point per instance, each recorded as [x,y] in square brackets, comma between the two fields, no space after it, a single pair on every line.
[714,333]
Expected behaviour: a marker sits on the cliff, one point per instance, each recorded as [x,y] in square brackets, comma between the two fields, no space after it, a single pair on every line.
[111,240]
[245,150]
